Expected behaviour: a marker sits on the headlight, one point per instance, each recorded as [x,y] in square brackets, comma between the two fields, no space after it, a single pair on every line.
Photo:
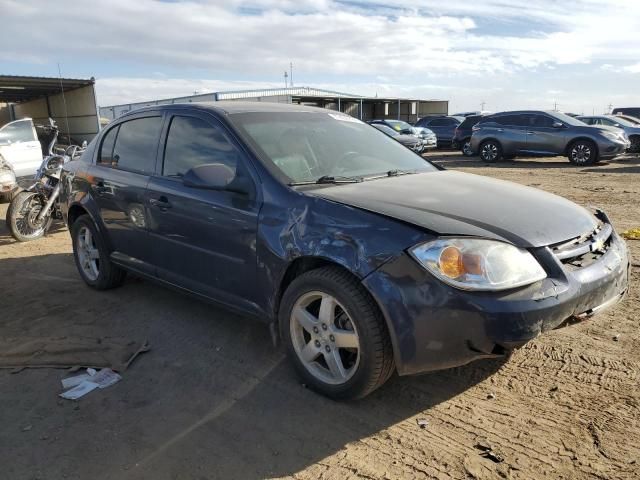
[613,136]
[478,264]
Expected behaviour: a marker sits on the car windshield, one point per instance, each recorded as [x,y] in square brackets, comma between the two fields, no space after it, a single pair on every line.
[567,119]
[399,125]
[385,129]
[308,146]
[622,121]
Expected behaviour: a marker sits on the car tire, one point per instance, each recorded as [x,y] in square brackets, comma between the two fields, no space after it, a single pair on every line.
[582,153]
[635,144]
[466,149]
[490,151]
[335,334]
[92,257]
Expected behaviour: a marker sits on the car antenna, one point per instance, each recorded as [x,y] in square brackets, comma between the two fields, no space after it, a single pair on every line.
[64,102]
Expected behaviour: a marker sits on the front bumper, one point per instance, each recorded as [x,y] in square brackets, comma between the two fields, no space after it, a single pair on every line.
[613,148]
[434,326]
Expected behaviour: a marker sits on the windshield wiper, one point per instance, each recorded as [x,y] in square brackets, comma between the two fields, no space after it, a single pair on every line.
[391,173]
[328,179]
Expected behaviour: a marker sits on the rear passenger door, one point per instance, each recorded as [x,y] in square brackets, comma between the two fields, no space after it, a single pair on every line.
[125,160]
[203,240]
[509,130]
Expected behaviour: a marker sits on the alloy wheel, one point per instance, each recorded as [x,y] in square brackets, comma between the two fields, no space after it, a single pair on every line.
[88,254]
[466,149]
[325,338]
[489,152]
[581,153]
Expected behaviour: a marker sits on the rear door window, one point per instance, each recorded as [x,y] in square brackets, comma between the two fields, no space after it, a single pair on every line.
[105,157]
[438,122]
[136,145]
[191,142]
[515,120]
[21,131]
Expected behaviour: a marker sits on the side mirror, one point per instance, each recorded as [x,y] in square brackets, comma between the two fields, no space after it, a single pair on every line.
[558,125]
[216,176]
[406,131]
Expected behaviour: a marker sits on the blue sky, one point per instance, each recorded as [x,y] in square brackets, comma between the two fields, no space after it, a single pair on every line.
[582,54]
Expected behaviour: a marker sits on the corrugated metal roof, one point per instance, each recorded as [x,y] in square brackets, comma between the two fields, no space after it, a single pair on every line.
[16,88]
[296,91]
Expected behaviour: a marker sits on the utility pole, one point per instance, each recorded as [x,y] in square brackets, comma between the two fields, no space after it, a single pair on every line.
[291,75]
[555,106]
[286,76]
[482,104]
[610,108]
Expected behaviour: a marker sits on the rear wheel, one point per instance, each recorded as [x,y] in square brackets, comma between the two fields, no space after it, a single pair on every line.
[22,217]
[490,151]
[583,152]
[467,151]
[92,257]
[635,144]
[335,334]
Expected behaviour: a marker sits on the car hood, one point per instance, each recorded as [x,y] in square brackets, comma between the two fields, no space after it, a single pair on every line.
[456,203]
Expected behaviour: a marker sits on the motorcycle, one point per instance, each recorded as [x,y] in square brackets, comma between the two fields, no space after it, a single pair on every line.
[32,211]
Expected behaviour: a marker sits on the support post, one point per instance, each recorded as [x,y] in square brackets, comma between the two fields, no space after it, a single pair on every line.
[398,109]
[360,109]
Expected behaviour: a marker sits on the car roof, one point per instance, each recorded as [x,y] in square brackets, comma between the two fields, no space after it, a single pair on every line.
[231,107]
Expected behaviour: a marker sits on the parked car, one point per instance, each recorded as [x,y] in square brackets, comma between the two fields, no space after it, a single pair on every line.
[443,127]
[631,129]
[410,141]
[397,125]
[462,134]
[629,118]
[429,139]
[20,148]
[508,134]
[362,257]
[633,111]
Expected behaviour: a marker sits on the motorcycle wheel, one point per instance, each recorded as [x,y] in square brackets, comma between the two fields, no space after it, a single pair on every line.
[22,214]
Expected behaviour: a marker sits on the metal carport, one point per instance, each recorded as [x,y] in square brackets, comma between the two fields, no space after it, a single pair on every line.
[70,102]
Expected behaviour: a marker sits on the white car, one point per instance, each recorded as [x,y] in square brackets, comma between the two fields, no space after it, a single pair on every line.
[20,148]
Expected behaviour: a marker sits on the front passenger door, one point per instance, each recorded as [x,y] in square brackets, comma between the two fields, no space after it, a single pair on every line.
[203,240]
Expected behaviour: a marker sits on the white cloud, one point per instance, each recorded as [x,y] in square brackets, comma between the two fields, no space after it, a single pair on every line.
[635,68]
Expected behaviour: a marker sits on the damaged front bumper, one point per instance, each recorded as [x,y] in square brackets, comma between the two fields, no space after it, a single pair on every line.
[434,326]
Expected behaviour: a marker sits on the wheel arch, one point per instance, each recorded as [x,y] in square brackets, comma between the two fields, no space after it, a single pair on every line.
[581,138]
[76,210]
[308,263]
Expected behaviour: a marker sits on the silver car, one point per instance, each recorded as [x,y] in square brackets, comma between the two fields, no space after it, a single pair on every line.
[631,129]
[535,132]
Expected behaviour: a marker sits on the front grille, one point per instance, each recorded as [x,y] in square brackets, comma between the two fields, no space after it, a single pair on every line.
[585,250]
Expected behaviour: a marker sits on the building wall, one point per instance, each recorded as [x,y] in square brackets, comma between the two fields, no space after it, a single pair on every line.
[80,114]
[5,113]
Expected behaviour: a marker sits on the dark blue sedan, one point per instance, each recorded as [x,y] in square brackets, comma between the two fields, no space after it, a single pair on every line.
[363,258]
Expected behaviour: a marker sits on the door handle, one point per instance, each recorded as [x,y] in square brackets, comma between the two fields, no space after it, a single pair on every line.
[531,133]
[500,129]
[162,203]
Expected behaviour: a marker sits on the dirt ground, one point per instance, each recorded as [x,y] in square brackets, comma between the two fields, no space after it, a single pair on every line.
[212,399]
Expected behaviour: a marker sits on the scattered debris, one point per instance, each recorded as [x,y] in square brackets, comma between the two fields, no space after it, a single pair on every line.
[422,422]
[554,388]
[491,396]
[616,337]
[84,383]
[488,451]
[632,234]
[26,428]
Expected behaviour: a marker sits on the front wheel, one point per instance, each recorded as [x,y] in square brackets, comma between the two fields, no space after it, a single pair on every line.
[583,152]
[635,144]
[22,217]
[335,334]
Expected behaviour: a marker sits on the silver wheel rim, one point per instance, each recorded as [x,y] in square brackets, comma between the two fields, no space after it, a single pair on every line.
[581,153]
[324,338]
[26,219]
[88,254]
[489,152]
[466,148]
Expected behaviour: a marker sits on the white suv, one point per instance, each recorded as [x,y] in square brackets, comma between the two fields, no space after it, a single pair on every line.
[20,148]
